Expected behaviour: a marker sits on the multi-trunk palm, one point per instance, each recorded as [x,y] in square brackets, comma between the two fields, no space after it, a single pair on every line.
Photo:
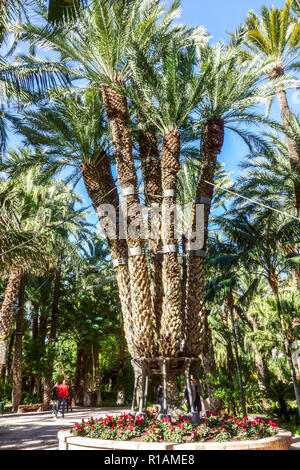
[100,43]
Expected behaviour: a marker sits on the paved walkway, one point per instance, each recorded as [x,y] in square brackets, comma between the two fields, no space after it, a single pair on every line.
[38,431]
[296,443]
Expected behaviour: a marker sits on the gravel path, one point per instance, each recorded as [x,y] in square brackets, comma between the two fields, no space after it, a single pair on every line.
[38,431]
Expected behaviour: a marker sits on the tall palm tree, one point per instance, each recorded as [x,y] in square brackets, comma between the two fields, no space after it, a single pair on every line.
[19,230]
[275,38]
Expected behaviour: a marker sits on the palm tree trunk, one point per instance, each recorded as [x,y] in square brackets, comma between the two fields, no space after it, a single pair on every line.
[260,364]
[151,171]
[42,333]
[229,355]
[285,112]
[9,356]
[7,309]
[78,379]
[183,283]
[97,377]
[195,311]
[237,361]
[143,316]
[52,336]
[35,333]
[101,189]
[120,389]
[170,332]
[210,370]
[17,360]
[293,374]
[173,396]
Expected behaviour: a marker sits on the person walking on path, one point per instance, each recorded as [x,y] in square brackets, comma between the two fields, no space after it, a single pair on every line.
[63,394]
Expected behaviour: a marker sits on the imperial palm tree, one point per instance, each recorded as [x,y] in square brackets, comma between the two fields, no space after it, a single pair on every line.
[117,26]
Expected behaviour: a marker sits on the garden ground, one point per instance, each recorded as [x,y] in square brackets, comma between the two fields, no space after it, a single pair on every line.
[38,431]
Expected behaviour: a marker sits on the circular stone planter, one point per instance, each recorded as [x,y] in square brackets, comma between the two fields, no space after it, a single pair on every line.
[282,441]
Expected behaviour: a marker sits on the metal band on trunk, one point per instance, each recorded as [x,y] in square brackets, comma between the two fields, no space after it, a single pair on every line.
[170,249]
[136,251]
[129,191]
[119,262]
[169,193]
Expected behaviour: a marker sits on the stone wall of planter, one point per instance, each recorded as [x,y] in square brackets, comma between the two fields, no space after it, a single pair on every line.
[282,441]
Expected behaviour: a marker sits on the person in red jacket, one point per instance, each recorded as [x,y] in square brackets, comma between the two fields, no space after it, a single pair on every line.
[62,395]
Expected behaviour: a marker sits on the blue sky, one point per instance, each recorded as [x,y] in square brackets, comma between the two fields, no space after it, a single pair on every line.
[219,17]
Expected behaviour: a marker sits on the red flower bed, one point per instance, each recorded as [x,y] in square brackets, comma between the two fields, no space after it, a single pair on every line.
[212,428]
